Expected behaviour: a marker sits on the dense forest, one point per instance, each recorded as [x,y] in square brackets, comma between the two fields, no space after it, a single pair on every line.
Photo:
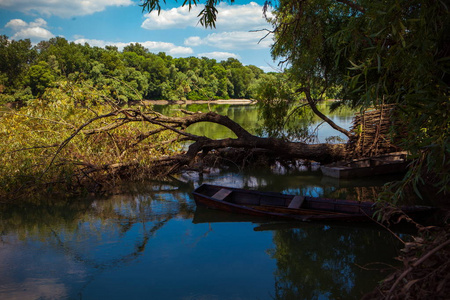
[26,71]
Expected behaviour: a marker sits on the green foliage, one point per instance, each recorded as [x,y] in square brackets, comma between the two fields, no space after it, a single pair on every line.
[15,58]
[19,97]
[40,77]
[133,74]
[276,99]
[31,136]
[284,113]
[376,53]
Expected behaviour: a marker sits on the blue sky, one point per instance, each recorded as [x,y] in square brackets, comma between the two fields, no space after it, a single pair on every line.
[119,22]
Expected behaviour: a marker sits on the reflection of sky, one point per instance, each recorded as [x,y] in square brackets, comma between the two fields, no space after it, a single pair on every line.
[180,261]
[311,191]
[33,270]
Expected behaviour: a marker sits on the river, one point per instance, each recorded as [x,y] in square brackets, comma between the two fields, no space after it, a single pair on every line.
[153,243]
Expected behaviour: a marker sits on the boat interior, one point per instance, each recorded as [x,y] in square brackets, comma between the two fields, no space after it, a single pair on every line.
[262,200]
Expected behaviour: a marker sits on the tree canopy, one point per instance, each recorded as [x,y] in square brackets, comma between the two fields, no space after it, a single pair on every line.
[135,73]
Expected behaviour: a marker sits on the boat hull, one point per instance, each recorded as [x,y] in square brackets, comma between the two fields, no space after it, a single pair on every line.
[278,205]
[394,163]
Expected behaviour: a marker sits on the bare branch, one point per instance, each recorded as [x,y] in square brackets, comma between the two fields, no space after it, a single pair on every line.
[313,106]
[66,141]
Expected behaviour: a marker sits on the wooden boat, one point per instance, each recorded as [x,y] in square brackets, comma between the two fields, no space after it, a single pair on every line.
[380,165]
[278,205]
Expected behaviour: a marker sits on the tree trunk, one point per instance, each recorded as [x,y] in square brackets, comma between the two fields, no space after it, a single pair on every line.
[276,148]
[281,149]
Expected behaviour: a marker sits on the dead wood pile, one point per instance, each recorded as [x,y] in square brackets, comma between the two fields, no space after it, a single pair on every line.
[371,133]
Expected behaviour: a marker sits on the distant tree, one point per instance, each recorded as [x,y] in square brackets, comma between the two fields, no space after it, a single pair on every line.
[112,48]
[112,61]
[136,48]
[40,77]
[71,57]
[15,58]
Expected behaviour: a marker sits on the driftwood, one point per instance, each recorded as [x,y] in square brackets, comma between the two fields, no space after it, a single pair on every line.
[425,272]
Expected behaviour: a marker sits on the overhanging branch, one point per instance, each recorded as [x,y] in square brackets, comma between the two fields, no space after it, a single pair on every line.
[313,106]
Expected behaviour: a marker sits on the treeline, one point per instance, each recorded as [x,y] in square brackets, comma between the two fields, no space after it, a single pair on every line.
[26,71]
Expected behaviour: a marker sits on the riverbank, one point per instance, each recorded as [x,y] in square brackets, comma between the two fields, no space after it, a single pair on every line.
[220,101]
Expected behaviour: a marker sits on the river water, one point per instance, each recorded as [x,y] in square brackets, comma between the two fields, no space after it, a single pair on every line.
[155,244]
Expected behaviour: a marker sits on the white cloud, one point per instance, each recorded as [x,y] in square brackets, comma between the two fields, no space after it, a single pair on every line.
[179,17]
[169,48]
[154,47]
[16,24]
[34,34]
[35,31]
[61,8]
[241,17]
[193,41]
[39,23]
[233,40]
[219,55]
[92,42]
[229,18]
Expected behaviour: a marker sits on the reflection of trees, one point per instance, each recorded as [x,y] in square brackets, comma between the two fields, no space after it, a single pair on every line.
[323,262]
[302,123]
[244,115]
[100,235]
[38,218]
[297,122]
[70,224]
[41,218]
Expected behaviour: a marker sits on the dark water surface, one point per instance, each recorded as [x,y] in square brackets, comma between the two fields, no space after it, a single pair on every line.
[155,244]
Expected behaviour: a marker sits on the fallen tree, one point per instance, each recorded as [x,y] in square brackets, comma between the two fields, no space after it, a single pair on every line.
[78,145]
[201,145]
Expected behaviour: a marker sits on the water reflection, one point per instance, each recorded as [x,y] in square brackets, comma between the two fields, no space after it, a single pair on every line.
[154,243]
[319,260]
[306,181]
[248,116]
[56,250]
[325,262]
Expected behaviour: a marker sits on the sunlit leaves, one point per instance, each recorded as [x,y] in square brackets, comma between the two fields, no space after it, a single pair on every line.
[30,137]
